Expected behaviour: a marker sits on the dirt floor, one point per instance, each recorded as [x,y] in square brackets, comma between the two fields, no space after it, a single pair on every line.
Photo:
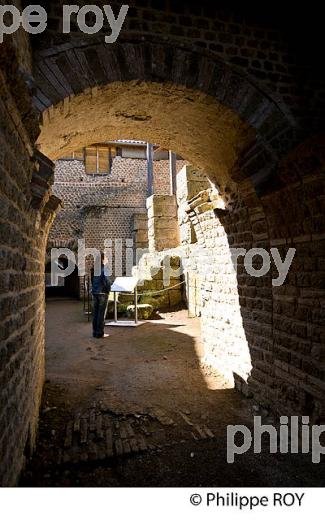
[138,409]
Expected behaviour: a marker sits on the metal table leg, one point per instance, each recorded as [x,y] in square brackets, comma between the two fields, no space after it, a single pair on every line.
[115,307]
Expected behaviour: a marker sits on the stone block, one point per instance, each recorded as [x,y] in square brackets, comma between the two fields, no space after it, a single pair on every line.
[142,236]
[161,205]
[175,297]
[158,302]
[161,210]
[162,223]
[140,222]
[145,311]
[164,243]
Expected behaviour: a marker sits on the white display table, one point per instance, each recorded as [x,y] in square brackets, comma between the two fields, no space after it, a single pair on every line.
[124,284]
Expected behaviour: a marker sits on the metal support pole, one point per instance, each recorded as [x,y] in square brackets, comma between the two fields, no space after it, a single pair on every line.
[84,294]
[149,169]
[110,160]
[172,172]
[88,298]
[106,309]
[115,307]
[135,305]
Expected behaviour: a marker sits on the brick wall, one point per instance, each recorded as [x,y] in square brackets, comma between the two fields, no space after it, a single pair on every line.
[242,70]
[97,208]
[298,371]
[269,340]
[161,176]
[26,211]
[254,40]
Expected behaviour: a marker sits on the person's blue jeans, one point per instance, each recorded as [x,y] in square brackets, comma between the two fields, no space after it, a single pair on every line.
[99,309]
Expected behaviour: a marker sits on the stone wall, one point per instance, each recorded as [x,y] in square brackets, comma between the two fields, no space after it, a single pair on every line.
[163,294]
[234,94]
[208,272]
[99,208]
[190,182]
[26,212]
[268,340]
[140,231]
[252,39]
[163,231]
[297,377]
[214,290]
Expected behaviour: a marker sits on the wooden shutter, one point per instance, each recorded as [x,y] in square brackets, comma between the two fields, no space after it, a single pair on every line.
[103,159]
[91,159]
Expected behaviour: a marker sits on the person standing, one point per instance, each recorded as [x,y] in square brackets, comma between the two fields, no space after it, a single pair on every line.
[100,290]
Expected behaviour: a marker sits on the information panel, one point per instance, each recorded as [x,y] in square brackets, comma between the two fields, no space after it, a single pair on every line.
[124,284]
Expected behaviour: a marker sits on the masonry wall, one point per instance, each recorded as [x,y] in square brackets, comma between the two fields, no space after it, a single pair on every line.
[25,216]
[84,194]
[268,340]
[281,329]
[99,208]
[250,38]
[295,217]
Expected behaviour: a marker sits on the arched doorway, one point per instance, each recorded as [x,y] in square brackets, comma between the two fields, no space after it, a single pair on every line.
[284,377]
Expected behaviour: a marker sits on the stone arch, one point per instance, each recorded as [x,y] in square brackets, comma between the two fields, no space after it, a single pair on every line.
[284,326]
[68,71]
[177,111]
[252,131]
[187,121]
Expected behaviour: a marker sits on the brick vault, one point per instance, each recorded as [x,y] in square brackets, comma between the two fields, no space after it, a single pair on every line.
[223,90]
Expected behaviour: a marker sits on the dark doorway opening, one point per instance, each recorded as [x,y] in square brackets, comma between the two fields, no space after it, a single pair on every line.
[68,287]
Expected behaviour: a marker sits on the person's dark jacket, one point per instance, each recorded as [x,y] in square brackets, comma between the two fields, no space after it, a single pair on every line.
[101,283]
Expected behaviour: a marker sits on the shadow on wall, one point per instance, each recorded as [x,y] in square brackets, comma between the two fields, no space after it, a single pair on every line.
[282,326]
